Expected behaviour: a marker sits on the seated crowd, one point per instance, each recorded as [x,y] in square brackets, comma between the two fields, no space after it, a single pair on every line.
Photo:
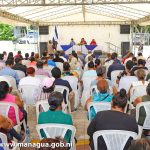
[65,82]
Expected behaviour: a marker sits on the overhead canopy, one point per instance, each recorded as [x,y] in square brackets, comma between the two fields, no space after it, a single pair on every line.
[50,12]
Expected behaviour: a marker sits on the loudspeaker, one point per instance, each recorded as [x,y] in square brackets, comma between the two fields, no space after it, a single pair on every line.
[97,52]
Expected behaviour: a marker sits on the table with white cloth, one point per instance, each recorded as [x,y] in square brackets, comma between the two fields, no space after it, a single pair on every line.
[83,48]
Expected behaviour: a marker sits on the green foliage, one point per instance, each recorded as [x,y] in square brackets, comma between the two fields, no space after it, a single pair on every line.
[148,28]
[6,32]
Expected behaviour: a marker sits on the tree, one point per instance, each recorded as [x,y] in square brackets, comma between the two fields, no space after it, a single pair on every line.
[6,32]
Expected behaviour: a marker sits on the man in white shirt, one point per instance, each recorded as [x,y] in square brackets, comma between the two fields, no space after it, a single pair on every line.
[30,87]
[30,79]
[90,71]
[126,81]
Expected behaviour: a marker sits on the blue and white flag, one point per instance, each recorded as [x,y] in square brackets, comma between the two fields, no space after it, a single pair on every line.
[55,36]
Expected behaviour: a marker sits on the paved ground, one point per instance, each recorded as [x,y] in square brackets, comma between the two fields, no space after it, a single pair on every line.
[79,120]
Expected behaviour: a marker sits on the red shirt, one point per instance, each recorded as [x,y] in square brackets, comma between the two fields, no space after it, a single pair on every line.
[93,43]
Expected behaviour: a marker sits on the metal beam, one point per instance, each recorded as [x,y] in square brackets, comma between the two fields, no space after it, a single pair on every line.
[144,19]
[16,18]
[86,23]
[109,12]
[10,3]
[83,10]
[128,10]
[92,11]
[49,12]
[60,16]
[116,11]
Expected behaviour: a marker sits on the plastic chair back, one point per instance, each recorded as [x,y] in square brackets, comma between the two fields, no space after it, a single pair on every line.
[56,130]
[41,105]
[20,73]
[114,139]
[30,93]
[146,106]
[2,65]
[114,75]
[73,81]
[3,139]
[98,106]
[86,88]
[137,91]
[12,81]
[41,77]
[62,89]
[5,107]
[59,65]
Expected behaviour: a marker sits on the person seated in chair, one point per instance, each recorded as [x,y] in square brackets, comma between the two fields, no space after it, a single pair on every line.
[55,114]
[114,119]
[102,96]
[6,127]
[40,70]
[19,65]
[47,88]
[56,73]
[142,115]
[67,70]
[6,97]
[8,71]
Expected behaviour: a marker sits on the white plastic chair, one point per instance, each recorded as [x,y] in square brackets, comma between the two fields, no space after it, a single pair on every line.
[57,130]
[86,88]
[2,65]
[3,138]
[43,105]
[73,81]
[4,110]
[114,75]
[146,106]
[29,93]
[41,77]
[98,106]
[12,81]
[114,139]
[137,91]
[48,69]
[25,62]
[61,89]
[20,73]
[59,65]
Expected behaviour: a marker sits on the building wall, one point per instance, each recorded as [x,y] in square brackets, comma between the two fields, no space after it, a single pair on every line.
[101,33]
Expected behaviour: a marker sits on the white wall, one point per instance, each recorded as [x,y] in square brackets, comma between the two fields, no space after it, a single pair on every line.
[101,33]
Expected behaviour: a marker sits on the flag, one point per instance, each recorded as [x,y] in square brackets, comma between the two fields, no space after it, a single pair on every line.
[55,35]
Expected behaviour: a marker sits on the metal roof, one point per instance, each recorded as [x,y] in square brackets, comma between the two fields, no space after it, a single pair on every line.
[50,12]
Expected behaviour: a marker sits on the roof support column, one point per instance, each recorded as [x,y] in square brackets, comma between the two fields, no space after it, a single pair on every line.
[83,10]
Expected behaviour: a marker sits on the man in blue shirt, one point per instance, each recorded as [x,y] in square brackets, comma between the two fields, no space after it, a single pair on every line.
[72,43]
[9,71]
[50,61]
[56,73]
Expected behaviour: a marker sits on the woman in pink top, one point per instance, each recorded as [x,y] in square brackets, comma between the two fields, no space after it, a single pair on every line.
[9,98]
[32,62]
